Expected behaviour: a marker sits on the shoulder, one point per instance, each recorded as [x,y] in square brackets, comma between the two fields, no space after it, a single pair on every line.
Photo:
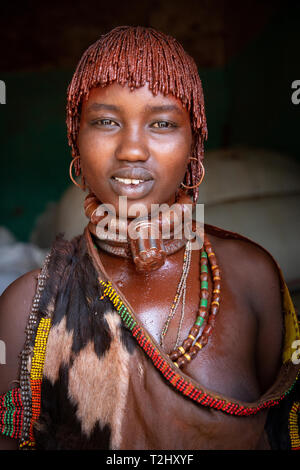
[251,264]
[17,297]
[15,306]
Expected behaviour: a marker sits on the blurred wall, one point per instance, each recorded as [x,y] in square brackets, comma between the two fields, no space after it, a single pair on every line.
[247,53]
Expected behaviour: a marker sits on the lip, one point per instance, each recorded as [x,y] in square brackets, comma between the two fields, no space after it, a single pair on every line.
[132,191]
[136,173]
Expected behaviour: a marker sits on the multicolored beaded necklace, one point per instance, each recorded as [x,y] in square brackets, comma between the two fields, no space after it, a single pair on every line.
[205,320]
[294,426]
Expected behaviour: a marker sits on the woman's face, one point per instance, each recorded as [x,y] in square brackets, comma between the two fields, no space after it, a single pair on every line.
[134,144]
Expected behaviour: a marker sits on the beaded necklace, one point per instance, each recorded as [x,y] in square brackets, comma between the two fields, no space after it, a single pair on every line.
[294,426]
[32,360]
[205,320]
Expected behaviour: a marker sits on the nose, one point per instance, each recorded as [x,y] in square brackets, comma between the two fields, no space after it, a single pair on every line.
[132,146]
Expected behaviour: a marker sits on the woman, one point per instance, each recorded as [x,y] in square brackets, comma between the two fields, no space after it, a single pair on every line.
[142,341]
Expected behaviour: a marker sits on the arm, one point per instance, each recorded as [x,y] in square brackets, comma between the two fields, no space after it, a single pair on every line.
[266,301]
[15,306]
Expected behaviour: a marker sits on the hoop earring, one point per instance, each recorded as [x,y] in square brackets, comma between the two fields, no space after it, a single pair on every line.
[82,187]
[201,179]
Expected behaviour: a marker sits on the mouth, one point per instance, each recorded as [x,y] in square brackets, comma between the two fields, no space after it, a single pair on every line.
[128,181]
[135,183]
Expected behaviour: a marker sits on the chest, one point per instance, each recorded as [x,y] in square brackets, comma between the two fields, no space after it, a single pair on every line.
[226,364]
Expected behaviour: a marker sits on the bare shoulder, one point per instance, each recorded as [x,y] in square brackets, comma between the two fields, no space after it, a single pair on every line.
[252,270]
[15,306]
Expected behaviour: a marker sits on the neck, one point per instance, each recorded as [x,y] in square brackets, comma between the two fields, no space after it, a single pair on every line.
[147,240]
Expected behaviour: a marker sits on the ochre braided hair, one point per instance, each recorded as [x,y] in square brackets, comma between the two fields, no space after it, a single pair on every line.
[134,56]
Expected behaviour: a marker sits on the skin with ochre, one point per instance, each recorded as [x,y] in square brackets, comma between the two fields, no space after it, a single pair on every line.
[124,132]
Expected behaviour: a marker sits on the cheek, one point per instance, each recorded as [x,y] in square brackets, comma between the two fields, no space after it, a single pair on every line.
[93,155]
[173,158]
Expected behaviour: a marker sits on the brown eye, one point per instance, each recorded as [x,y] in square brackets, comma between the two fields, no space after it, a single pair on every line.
[162,124]
[104,123]
[107,122]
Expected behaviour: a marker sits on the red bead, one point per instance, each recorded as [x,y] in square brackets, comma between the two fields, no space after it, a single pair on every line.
[194,331]
[208,248]
[212,260]
[203,313]
[174,355]
[214,309]
[207,330]
[181,361]
[193,352]
[187,344]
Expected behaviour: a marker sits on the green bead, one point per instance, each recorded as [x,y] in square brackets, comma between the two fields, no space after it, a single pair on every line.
[204,285]
[203,254]
[199,321]
[203,303]
[204,268]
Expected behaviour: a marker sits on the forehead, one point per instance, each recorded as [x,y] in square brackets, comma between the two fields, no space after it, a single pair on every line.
[137,98]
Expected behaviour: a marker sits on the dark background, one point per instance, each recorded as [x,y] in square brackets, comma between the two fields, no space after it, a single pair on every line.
[247,53]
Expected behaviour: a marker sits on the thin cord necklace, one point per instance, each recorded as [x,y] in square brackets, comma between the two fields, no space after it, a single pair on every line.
[180,292]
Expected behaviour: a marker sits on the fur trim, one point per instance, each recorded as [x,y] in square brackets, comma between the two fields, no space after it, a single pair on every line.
[98,386]
[58,352]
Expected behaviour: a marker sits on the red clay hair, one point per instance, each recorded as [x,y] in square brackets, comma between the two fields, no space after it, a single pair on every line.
[134,56]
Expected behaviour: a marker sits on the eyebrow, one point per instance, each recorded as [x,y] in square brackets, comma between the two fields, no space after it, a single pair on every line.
[163,108]
[153,109]
[106,107]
